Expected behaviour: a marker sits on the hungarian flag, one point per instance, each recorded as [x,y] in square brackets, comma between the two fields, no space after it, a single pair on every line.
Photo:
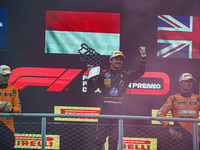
[67,30]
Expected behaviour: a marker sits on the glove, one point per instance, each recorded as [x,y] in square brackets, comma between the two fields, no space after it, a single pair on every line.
[3,106]
[142,51]
[9,109]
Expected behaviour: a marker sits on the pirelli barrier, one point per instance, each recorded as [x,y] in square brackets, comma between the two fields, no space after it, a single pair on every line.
[80,135]
[33,141]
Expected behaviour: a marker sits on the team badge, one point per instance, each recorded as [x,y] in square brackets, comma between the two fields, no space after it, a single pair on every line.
[14,92]
[181,103]
[107,75]
[121,75]
[107,81]
[121,83]
[114,91]
[7,94]
[192,103]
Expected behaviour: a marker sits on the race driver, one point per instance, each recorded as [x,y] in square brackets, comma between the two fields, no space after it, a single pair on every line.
[9,103]
[113,83]
[184,104]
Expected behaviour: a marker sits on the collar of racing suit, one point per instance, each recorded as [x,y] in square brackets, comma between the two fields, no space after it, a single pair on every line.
[3,86]
[185,94]
[116,71]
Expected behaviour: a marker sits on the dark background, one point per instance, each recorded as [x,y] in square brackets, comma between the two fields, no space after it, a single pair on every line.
[138,26]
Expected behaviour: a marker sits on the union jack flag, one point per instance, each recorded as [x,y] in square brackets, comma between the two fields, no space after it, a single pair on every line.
[178,37]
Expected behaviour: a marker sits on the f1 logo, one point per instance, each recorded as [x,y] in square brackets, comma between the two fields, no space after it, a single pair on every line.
[56,78]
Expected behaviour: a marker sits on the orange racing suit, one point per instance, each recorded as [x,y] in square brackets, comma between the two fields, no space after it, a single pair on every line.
[182,105]
[9,94]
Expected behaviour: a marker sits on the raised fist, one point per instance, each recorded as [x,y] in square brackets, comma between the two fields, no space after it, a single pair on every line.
[142,50]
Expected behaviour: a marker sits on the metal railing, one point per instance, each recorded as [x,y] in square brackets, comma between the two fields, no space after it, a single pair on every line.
[120,123]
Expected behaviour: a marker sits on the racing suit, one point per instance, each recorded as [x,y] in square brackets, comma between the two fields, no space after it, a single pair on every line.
[8,94]
[113,85]
[182,105]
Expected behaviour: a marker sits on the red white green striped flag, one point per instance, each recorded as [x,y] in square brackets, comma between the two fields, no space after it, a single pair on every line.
[67,30]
